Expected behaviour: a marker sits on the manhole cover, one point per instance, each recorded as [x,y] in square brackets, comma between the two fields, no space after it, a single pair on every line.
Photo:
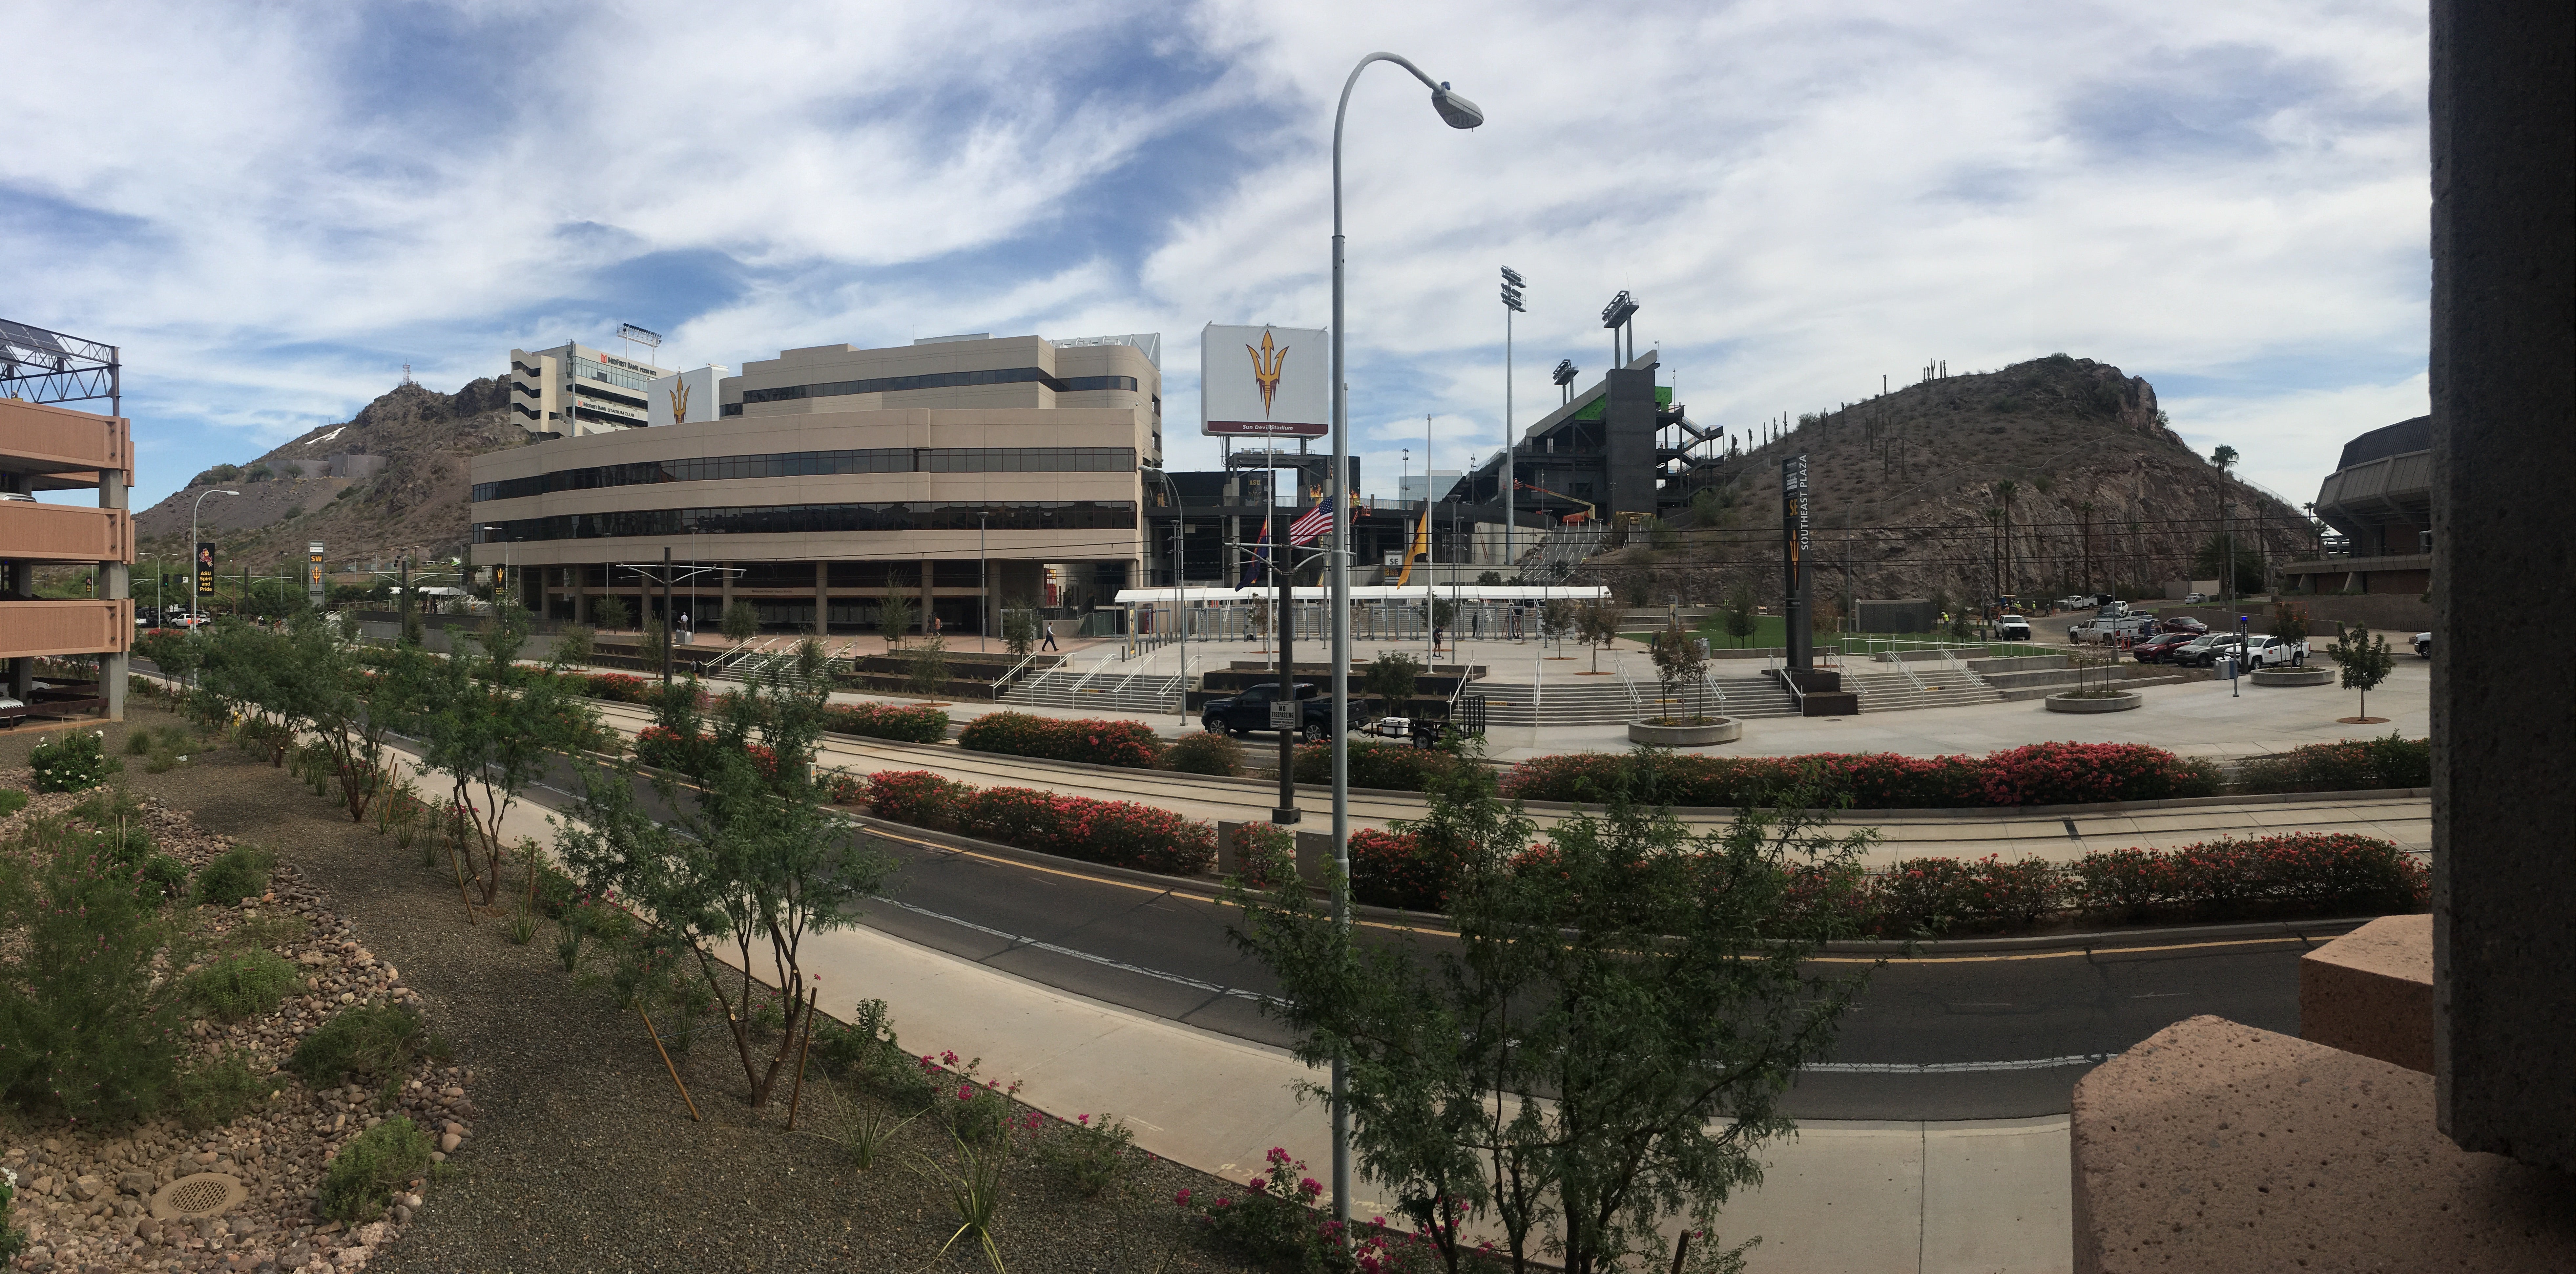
[203,1195]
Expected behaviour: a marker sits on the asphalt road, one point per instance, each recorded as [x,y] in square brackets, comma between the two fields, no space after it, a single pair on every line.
[1968,1036]
[1950,1037]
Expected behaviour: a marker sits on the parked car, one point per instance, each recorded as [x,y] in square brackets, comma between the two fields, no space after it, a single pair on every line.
[2424,644]
[2011,628]
[2160,647]
[1250,710]
[2181,624]
[2194,599]
[2205,650]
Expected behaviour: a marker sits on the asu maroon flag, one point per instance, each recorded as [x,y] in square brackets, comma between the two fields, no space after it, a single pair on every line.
[1259,564]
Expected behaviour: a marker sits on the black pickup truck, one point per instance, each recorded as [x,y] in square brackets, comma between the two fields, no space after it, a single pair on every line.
[1250,710]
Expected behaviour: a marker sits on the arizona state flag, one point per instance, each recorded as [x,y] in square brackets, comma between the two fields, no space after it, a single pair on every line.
[1421,546]
[1255,565]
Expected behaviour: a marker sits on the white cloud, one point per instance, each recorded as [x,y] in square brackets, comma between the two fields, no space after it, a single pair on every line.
[275,206]
[2289,442]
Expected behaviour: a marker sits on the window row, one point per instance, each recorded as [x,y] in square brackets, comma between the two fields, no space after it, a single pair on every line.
[809,519]
[937,380]
[803,464]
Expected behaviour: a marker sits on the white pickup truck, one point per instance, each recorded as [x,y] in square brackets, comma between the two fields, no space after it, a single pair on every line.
[2110,631]
[2263,651]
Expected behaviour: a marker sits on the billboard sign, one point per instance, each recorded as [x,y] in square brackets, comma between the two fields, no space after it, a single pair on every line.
[205,568]
[1265,382]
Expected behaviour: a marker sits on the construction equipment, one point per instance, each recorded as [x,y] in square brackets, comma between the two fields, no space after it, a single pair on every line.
[1590,510]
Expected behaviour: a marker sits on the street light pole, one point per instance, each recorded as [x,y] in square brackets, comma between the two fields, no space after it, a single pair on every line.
[1458,112]
[196,608]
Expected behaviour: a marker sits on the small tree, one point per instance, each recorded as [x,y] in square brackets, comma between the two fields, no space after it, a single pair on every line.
[493,726]
[926,667]
[894,614]
[1258,616]
[2289,621]
[1391,676]
[742,855]
[1678,663]
[652,644]
[575,645]
[1019,627]
[1741,623]
[1556,618]
[1601,1046]
[612,612]
[2366,662]
[741,622]
[1597,621]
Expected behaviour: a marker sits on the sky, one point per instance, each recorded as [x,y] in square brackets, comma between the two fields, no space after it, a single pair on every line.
[274,208]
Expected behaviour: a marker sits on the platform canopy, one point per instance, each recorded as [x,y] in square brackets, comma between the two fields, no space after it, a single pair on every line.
[1367,593]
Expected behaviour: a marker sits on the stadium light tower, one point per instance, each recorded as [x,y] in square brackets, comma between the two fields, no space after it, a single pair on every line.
[1511,306]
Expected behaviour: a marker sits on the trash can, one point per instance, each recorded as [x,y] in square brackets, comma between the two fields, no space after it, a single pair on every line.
[2227,667]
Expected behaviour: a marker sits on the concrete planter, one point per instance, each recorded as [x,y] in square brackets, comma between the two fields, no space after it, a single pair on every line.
[2292,676]
[2120,702]
[1716,730]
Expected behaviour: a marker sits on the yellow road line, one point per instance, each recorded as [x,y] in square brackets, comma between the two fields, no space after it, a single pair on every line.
[2051,955]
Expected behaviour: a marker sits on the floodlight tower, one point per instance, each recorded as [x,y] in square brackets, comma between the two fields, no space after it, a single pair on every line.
[1618,316]
[1564,376]
[1511,306]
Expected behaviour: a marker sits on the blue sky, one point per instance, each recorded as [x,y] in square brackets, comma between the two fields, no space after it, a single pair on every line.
[273,208]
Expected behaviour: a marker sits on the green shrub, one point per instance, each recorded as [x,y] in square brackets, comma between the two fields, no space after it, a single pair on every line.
[222,1090]
[1394,767]
[1100,742]
[138,743]
[917,797]
[74,762]
[1947,895]
[238,873]
[242,984]
[358,1183]
[2343,766]
[1092,1153]
[108,807]
[905,723]
[368,1041]
[166,874]
[2038,774]
[1206,753]
[84,1030]
[1119,833]
[11,801]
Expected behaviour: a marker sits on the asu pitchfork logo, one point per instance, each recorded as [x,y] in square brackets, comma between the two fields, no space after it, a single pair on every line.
[1266,363]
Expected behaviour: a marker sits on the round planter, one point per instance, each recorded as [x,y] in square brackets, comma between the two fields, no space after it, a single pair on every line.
[1716,730]
[2292,676]
[2120,702]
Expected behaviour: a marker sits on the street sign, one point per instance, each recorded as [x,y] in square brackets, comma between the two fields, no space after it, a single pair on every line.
[1283,714]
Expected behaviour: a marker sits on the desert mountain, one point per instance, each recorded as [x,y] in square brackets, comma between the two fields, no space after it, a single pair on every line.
[398,488]
[1911,492]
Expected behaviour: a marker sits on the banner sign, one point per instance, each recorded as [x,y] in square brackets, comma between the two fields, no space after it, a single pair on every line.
[1794,543]
[313,588]
[205,568]
[1265,382]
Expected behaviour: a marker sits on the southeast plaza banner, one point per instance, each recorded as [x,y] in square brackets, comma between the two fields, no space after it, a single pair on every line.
[1271,382]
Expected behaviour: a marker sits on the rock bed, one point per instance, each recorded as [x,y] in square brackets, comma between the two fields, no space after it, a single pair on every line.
[85,1199]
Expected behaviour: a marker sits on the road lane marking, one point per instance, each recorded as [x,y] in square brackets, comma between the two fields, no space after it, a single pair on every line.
[1022,940]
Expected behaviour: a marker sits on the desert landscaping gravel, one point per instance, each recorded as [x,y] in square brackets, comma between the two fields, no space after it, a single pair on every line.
[574,1152]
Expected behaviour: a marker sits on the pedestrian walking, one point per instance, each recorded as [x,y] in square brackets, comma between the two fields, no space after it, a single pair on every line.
[1049,630]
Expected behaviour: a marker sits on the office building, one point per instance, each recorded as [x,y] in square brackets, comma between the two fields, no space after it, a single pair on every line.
[954,470]
[572,390]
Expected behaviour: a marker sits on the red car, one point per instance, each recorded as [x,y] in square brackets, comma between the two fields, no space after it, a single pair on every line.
[2159,648]
[2181,624]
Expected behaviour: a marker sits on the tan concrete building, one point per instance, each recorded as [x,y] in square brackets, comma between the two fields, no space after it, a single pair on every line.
[950,470]
[572,390]
[50,448]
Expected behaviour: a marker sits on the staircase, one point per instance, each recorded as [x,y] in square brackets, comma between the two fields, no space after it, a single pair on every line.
[1103,686]
[1916,684]
[1608,701]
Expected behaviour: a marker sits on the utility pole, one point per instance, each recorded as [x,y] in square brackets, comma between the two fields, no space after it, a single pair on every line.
[667,634]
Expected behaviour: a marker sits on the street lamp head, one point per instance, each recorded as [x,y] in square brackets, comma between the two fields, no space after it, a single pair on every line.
[1457,110]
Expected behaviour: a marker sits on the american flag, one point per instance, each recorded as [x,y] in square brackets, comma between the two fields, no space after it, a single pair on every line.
[1317,521]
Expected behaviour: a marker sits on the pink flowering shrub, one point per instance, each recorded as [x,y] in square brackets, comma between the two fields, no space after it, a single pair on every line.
[2039,774]
[1274,1219]
[1100,742]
